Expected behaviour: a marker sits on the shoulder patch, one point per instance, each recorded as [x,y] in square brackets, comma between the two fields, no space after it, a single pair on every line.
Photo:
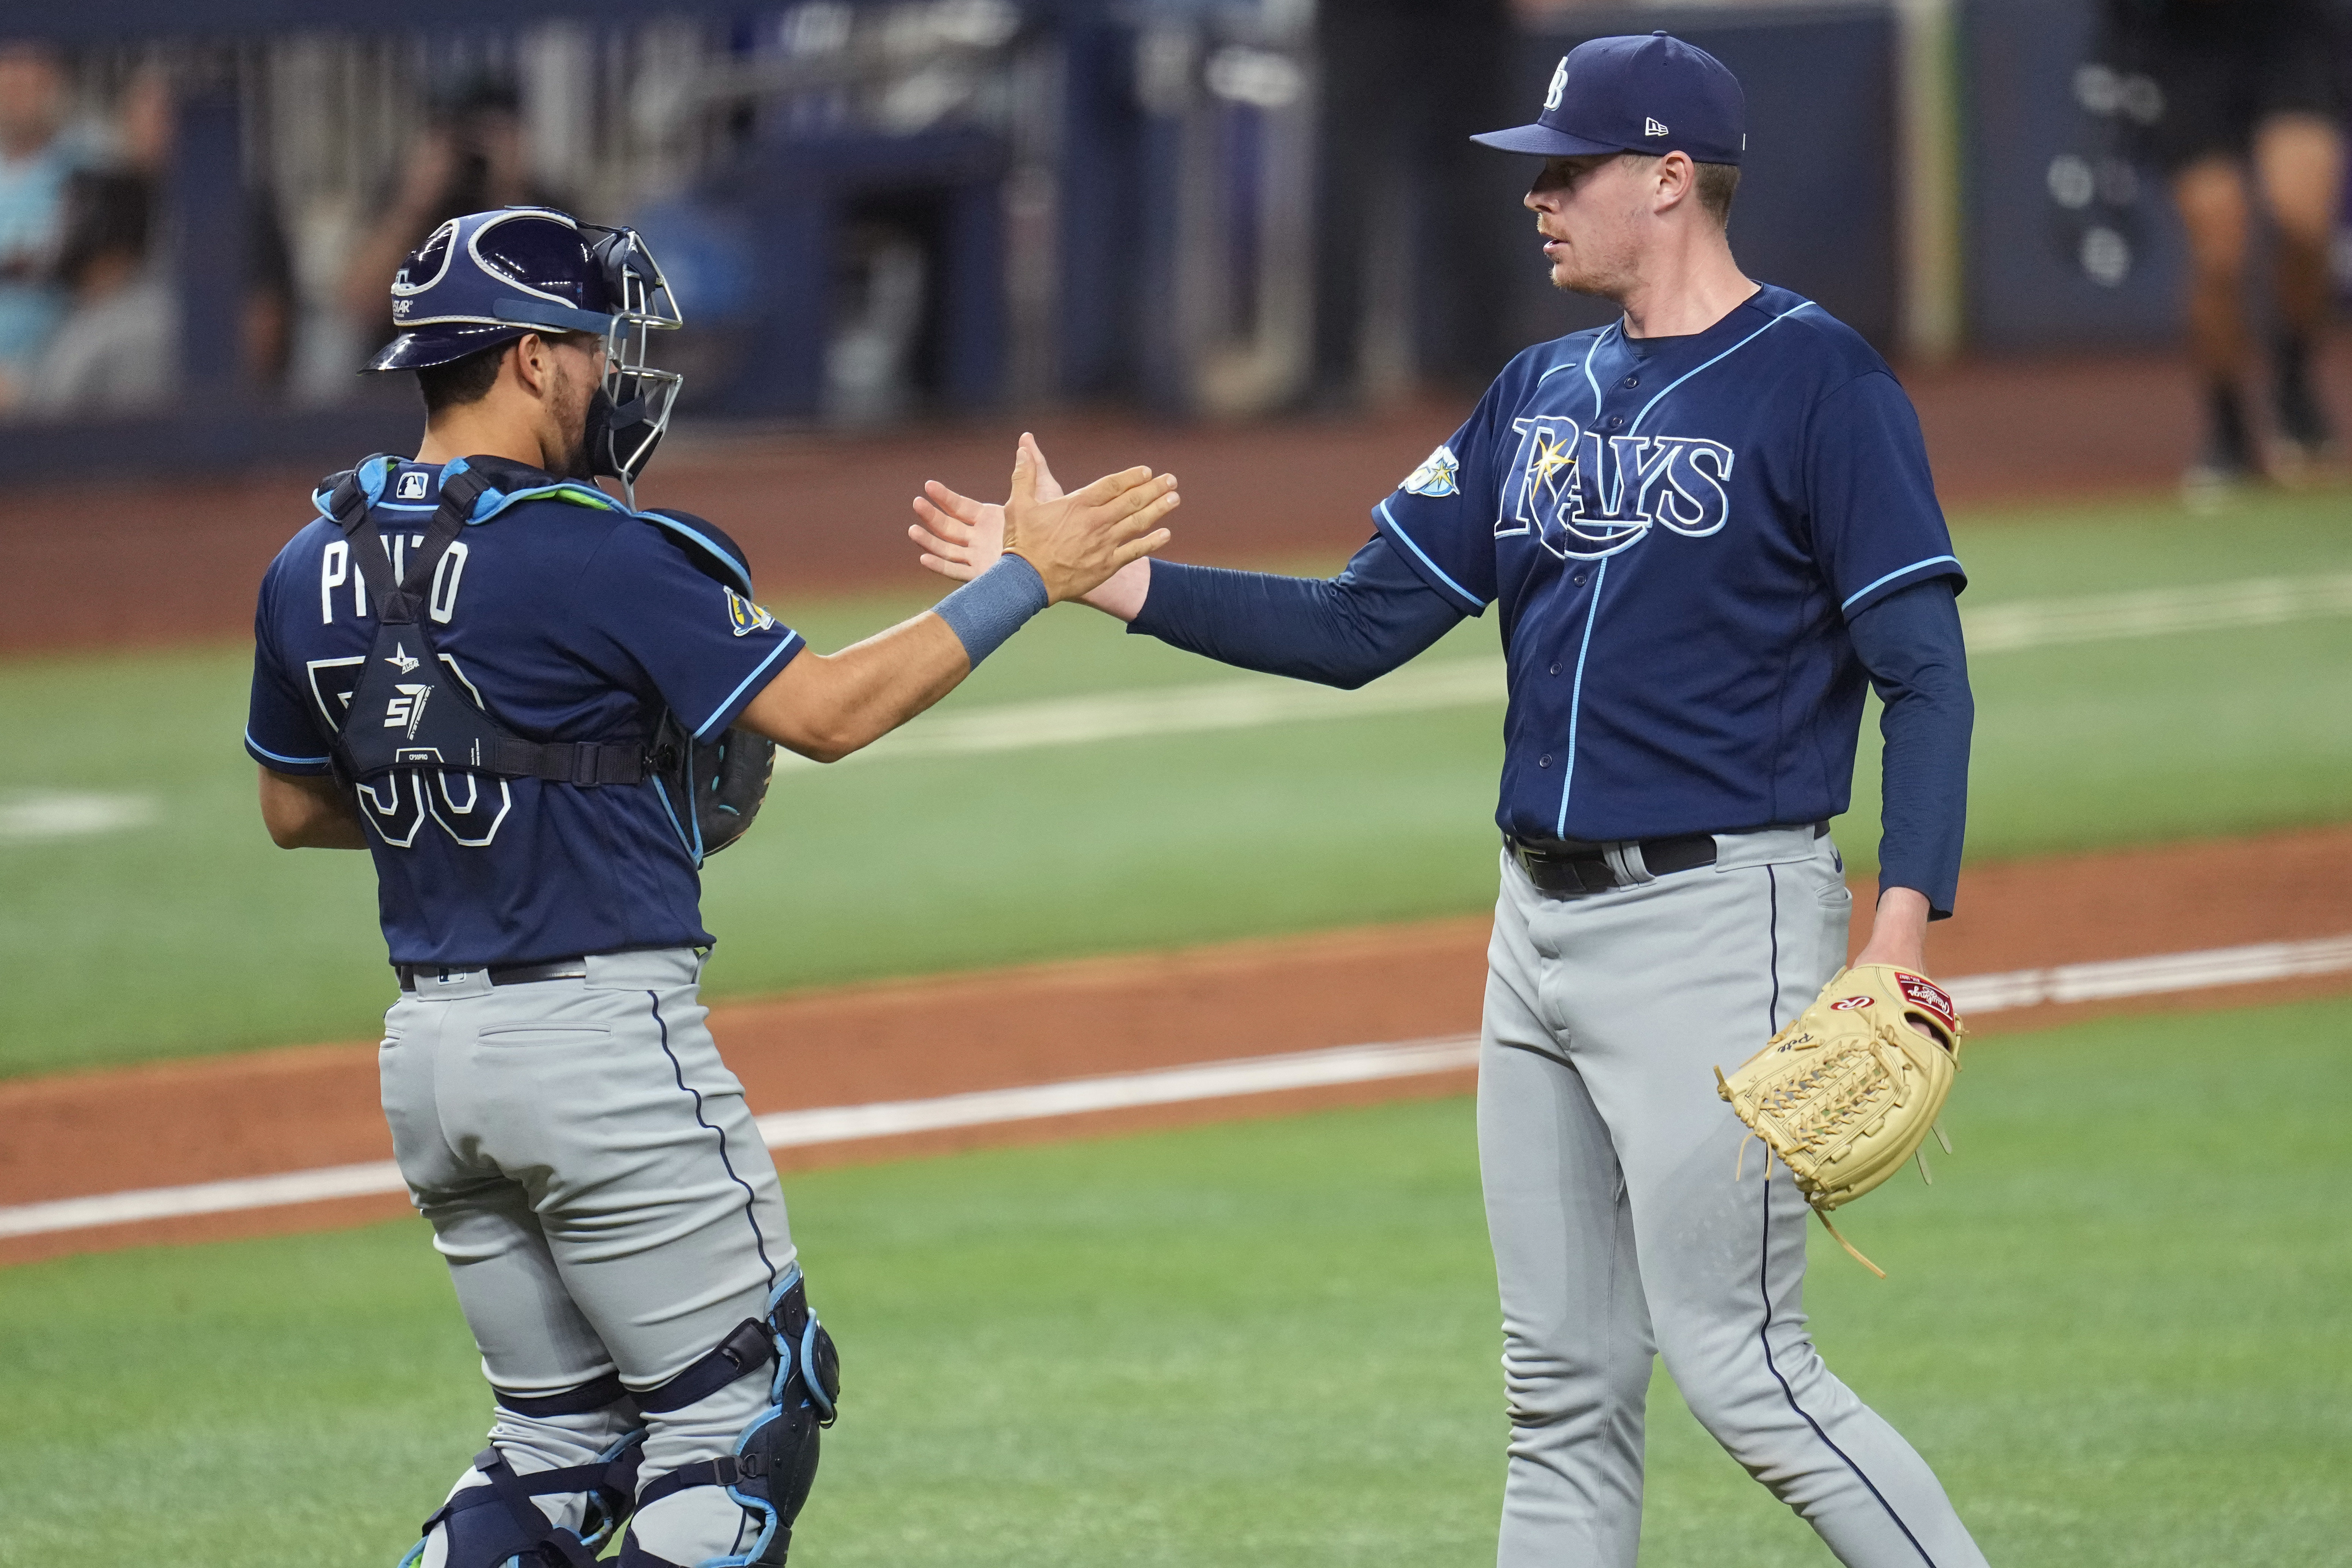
[744,617]
[1435,477]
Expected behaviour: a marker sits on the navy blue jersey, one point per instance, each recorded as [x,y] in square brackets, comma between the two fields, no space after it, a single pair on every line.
[1678,531]
[567,621]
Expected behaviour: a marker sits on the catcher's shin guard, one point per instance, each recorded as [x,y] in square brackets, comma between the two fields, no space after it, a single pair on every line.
[496,1524]
[773,1461]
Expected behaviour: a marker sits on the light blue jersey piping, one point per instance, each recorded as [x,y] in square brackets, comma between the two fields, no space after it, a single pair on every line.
[1899,570]
[1592,610]
[1804,305]
[294,762]
[1425,561]
[1576,700]
[780,649]
[1589,381]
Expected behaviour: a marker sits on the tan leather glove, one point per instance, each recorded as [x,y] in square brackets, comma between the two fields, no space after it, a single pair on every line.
[1848,1093]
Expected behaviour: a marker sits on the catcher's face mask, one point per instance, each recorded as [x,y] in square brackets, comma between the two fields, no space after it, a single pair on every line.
[632,408]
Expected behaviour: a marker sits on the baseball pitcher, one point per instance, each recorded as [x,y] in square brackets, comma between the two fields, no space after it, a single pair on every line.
[538,707]
[1707,528]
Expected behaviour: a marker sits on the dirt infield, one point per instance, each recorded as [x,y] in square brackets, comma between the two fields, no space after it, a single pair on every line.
[102,565]
[316,1106]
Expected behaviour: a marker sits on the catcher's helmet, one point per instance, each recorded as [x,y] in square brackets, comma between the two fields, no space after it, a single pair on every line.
[487,278]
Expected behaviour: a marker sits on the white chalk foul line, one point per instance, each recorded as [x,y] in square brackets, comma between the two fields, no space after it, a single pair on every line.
[1237,1079]
[2152,976]
[1121,1091]
[1262,701]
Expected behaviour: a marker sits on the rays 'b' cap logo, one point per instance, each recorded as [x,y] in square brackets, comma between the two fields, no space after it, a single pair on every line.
[1637,93]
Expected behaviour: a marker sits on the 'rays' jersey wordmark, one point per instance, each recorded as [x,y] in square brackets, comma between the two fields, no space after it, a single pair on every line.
[1674,531]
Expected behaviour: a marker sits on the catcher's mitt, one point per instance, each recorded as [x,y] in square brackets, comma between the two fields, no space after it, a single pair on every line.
[1848,1091]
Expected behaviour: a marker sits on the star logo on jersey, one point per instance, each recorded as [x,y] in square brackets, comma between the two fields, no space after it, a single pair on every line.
[398,658]
[1438,475]
[744,617]
[1585,495]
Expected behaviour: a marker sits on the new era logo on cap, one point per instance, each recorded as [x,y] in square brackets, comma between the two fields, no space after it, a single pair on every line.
[1630,94]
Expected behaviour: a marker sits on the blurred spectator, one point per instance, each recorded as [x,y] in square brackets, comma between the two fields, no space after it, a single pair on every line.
[471,157]
[34,163]
[117,349]
[146,125]
[2248,87]
[1405,83]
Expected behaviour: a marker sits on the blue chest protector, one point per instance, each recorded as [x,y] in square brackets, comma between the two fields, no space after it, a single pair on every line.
[409,711]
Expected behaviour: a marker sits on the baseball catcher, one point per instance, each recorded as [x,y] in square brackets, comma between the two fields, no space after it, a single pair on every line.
[538,707]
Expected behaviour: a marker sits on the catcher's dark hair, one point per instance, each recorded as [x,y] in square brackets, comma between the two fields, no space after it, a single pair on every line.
[460,381]
[469,380]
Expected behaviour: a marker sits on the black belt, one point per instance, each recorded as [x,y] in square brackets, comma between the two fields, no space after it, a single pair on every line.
[1569,868]
[499,974]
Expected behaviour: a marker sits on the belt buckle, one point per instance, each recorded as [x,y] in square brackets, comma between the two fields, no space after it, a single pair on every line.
[1562,877]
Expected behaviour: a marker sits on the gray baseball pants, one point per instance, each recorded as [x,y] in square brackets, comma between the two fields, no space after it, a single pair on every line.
[1619,1232]
[604,1204]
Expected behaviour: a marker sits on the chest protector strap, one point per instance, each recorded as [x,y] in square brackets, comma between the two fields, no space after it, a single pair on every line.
[411,707]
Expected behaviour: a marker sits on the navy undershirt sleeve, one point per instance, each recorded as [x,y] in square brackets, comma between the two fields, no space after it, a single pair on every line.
[1342,631]
[1910,643]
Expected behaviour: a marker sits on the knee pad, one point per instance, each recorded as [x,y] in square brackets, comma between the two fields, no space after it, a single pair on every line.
[496,1524]
[773,1461]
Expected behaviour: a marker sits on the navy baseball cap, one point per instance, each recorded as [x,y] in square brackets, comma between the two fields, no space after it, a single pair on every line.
[1636,93]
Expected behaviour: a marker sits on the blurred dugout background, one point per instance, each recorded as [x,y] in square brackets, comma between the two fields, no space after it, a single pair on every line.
[878,211]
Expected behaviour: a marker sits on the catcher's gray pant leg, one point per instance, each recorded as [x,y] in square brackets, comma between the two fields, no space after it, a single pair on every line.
[602,1197]
[1606,1017]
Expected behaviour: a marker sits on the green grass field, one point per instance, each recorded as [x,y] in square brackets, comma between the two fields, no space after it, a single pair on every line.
[193,935]
[2120,1326]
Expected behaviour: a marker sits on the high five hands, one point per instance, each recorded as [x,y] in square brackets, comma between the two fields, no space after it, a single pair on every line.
[1089,546]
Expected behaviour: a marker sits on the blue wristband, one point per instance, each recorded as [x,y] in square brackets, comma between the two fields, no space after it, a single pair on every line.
[990,608]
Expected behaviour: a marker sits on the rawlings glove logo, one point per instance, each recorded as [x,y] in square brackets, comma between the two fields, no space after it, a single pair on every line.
[1925,993]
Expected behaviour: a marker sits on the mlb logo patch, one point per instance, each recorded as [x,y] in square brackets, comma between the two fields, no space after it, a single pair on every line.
[414,484]
[745,617]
